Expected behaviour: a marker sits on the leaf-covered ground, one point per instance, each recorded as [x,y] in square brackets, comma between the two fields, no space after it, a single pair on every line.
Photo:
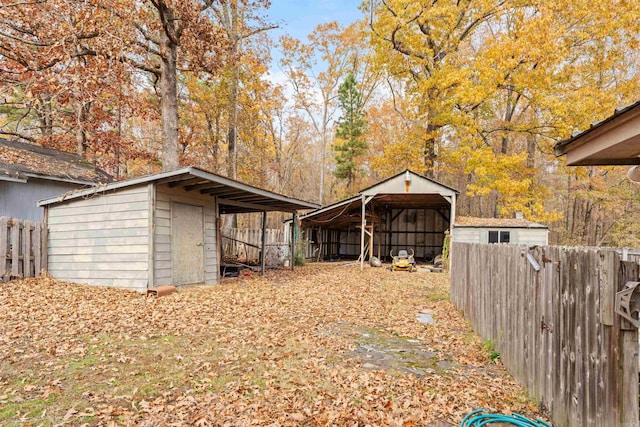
[284,349]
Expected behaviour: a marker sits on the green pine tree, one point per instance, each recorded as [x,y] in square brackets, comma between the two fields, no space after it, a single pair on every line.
[349,142]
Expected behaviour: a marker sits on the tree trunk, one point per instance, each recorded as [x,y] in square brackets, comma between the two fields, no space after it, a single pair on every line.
[82,109]
[232,134]
[169,104]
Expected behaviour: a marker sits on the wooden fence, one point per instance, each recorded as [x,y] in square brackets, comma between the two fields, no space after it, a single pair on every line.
[23,248]
[555,328]
[245,245]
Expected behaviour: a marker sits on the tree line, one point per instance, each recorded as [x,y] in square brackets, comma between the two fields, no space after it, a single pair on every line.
[472,93]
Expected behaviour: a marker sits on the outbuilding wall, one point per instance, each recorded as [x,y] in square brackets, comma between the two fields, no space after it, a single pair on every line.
[522,236]
[20,199]
[165,196]
[102,239]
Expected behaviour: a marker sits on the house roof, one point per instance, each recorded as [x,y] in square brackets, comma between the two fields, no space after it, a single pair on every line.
[233,196]
[612,141]
[474,222]
[20,161]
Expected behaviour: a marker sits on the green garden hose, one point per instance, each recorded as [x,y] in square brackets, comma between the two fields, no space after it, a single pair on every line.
[480,417]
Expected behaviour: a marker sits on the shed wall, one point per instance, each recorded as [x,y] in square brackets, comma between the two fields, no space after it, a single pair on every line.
[20,200]
[165,195]
[523,236]
[102,240]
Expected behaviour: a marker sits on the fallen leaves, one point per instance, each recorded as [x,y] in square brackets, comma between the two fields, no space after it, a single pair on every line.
[273,350]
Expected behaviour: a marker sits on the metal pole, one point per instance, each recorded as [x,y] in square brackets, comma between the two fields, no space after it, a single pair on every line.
[362,225]
[264,235]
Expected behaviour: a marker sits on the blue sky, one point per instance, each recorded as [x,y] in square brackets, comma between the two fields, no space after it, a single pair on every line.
[299,17]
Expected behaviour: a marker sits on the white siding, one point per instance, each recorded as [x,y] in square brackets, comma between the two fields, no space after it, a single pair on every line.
[102,240]
[520,236]
[468,235]
[532,236]
[162,273]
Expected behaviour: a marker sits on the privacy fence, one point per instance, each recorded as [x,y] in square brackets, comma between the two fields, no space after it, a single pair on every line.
[551,314]
[23,248]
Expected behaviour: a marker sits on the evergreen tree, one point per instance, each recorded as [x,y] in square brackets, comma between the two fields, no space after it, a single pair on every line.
[349,143]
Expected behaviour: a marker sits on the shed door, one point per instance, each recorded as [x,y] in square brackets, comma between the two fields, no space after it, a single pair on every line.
[187,244]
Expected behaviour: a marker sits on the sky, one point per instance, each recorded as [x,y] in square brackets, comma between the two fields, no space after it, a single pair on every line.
[298,18]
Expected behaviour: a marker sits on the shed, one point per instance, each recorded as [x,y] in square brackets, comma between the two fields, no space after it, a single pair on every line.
[499,230]
[405,211]
[161,229]
[29,173]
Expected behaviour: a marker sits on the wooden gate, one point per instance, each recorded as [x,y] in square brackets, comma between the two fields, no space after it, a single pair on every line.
[23,248]
[551,314]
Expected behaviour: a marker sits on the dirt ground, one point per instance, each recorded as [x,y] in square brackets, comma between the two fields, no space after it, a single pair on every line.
[324,345]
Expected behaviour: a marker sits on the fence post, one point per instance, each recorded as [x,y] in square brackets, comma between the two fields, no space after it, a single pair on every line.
[629,355]
[4,239]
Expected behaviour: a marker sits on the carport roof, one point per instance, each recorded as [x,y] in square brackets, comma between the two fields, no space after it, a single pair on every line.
[233,196]
[390,193]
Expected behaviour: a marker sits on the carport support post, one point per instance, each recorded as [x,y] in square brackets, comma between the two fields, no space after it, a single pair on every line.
[264,235]
[294,227]
[363,224]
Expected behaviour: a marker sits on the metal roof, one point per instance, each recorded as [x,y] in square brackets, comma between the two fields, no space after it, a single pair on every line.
[233,196]
[372,187]
[349,211]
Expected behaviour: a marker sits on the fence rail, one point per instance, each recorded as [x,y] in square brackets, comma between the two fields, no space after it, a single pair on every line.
[23,248]
[550,312]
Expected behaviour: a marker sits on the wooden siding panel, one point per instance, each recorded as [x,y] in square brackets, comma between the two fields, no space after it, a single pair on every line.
[141,216]
[162,263]
[102,240]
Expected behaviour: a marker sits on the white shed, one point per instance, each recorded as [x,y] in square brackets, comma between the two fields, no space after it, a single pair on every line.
[499,230]
[156,230]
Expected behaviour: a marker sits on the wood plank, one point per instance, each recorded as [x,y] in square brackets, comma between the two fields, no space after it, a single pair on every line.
[628,373]
[581,271]
[4,245]
[607,282]
[26,249]
[15,248]
[141,216]
[110,206]
[37,248]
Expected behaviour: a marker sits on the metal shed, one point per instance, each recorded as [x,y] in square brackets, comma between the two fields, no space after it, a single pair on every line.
[156,230]
[406,210]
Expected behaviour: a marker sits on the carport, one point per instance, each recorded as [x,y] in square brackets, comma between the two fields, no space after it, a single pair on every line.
[406,210]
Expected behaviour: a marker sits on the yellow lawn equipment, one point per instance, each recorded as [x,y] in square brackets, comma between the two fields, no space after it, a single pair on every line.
[403,261]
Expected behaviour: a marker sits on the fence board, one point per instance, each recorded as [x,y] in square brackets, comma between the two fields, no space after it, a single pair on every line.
[22,248]
[556,329]
[4,242]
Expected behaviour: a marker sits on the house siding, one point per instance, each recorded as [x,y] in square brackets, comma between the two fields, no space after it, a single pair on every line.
[20,200]
[521,236]
[102,240]
[165,196]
